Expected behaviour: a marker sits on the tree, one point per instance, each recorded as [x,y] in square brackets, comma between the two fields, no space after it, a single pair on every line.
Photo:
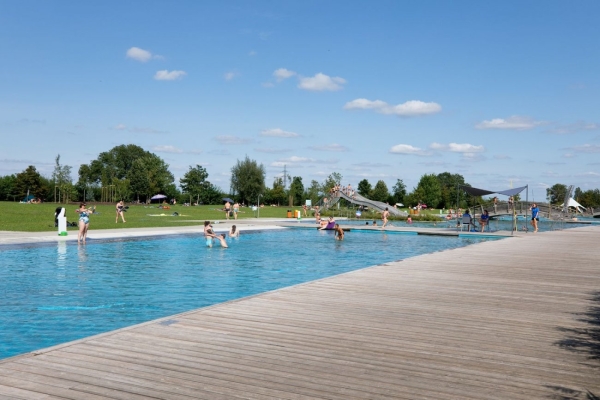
[313,192]
[398,191]
[297,190]
[449,185]
[116,166]
[192,182]
[7,184]
[380,192]
[332,180]
[364,188]
[63,185]
[428,191]
[30,181]
[277,194]
[590,198]
[248,180]
[139,179]
[557,193]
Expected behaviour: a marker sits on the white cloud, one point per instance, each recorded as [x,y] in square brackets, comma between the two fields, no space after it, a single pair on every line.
[282,73]
[514,122]
[330,147]
[252,53]
[123,127]
[165,75]
[272,150]
[277,132]
[579,126]
[296,160]
[410,108]
[408,149]
[141,55]
[586,148]
[145,130]
[473,157]
[268,84]
[364,104]
[321,82]
[227,139]
[167,149]
[371,165]
[230,75]
[457,147]
[502,157]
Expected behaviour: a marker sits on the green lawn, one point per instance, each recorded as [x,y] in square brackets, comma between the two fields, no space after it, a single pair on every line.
[40,217]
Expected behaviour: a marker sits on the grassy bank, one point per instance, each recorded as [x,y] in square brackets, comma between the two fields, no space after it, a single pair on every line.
[40,217]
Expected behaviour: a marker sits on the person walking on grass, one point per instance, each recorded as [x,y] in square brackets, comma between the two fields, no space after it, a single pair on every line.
[384,216]
[227,209]
[120,211]
[236,210]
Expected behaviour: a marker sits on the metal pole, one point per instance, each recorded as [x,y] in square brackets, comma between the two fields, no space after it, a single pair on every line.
[527,209]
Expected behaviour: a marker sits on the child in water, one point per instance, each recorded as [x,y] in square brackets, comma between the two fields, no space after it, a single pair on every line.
[338,232]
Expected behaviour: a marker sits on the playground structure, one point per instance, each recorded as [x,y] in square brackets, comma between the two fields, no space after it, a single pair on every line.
[360,201]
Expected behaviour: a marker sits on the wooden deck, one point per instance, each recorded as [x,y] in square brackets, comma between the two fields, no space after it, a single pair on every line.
[510,319]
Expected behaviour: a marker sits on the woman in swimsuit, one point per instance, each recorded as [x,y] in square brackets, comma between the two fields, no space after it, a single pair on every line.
[120,209]
[234,232]
[84,222]
[236,210]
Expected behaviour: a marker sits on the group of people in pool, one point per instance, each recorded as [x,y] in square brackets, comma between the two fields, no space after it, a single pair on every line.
[210,235]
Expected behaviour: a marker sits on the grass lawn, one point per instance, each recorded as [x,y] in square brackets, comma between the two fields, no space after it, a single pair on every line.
[40,217]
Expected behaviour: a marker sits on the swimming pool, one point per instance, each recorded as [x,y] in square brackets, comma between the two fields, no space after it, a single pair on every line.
[54,294]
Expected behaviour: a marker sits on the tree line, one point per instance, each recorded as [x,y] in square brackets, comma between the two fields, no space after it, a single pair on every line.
[131,173]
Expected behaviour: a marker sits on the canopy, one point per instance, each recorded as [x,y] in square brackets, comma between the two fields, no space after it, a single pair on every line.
[228,199]
[484,192]
[573,203]
[158,197]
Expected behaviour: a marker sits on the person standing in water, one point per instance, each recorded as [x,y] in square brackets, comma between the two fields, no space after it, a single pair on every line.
[209,234]
[338,232]
[233,233]
[384,216]
[120,210]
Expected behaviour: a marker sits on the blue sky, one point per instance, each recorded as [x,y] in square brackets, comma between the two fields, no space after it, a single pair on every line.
[504,93]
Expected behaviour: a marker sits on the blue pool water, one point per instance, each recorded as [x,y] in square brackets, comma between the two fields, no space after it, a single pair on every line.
[54,294]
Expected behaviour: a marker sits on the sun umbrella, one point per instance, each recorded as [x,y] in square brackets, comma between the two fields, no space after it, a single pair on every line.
[158,197]
[228,199]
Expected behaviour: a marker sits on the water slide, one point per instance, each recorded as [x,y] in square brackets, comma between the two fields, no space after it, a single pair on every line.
[363,201]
